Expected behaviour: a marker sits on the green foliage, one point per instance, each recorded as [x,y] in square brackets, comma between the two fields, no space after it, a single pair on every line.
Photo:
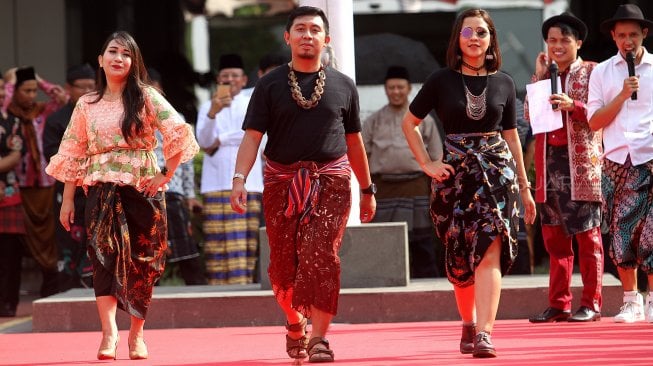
[251,38]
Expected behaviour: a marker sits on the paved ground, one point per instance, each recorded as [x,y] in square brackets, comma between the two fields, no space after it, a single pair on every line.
[22,323]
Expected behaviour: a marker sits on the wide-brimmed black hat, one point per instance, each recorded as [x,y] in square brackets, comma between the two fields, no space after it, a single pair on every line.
[568,19]
[626,12]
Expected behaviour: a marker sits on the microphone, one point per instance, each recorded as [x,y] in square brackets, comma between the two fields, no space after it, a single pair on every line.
[630,60]
[553,70]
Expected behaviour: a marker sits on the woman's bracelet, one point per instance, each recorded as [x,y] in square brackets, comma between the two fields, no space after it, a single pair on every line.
[525,187]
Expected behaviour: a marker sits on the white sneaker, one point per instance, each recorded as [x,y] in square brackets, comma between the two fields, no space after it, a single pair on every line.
[649,309]
[631,311]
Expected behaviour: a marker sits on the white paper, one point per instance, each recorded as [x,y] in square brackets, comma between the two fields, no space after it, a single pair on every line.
[543,117]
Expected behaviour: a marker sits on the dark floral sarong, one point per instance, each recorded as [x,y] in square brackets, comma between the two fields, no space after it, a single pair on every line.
[304,244]
[476,204]
[559,209]
[127,235]
[181,245]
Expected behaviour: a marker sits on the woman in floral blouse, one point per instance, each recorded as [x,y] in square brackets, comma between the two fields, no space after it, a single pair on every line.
[108,149]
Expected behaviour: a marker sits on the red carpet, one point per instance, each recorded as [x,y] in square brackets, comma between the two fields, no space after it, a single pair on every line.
[431,343]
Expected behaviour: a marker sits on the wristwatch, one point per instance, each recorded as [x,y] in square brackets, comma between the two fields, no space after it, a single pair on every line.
[164,171]
[239,176]
[369,190]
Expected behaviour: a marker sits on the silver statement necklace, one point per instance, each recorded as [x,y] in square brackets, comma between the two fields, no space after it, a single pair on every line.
[476,104]
[296,91]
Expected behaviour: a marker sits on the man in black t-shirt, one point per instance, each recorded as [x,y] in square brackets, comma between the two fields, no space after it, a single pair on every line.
[314,139]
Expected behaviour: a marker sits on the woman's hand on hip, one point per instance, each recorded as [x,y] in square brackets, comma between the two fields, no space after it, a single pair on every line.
[152,186]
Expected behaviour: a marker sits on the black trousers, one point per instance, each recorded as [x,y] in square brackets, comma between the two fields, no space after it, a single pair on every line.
[11,258]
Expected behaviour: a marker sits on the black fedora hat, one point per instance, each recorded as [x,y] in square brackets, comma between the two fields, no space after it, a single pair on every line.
[568,19]
[626,12]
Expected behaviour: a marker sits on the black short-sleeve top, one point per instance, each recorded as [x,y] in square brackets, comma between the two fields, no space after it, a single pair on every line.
[443,91]
[297,134]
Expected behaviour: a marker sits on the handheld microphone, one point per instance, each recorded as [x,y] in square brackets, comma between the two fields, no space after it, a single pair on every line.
[630,60]
[553,70]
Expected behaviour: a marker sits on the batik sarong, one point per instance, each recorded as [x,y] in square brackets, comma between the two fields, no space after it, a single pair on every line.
[476,204]
[127,241]
[39,223]
[627,214]
[181,245]
[306,207]
[406,198]
[559,209]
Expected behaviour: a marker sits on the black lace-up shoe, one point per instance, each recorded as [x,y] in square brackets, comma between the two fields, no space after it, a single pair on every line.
[551,315]
[585,314]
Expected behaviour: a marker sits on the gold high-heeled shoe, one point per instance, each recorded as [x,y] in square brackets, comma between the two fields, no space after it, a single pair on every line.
[137,349]
[108,350]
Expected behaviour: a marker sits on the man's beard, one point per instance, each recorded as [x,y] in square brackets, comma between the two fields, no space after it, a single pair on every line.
[307,56]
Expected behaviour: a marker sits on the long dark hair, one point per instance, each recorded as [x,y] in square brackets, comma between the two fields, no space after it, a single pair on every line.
[133,98]
[454,54]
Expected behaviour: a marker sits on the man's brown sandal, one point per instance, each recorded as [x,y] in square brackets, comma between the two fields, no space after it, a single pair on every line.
[296,348]
[318,350]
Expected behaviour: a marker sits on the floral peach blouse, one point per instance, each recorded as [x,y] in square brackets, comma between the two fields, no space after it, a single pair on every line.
[93,148]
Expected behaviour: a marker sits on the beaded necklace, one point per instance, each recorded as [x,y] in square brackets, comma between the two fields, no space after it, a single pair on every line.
[476,104]
[296,91]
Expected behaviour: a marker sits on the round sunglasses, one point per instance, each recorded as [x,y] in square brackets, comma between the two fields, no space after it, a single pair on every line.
[468,32]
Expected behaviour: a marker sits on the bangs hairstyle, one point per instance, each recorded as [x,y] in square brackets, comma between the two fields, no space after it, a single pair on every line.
[454,54]
[566,30]
[133,98]
[307,10]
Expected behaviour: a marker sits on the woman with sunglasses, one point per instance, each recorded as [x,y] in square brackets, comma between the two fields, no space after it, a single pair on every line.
[477,185]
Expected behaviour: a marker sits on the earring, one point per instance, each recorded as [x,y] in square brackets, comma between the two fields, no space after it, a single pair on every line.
[489,57]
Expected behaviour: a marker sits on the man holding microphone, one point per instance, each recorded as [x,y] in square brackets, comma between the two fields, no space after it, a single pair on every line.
[626,120]
[568,175]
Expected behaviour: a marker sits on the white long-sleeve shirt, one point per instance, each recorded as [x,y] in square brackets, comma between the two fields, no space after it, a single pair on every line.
[218,170]
[630,133]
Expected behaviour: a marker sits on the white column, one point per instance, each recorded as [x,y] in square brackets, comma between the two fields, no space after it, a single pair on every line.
[341,29]
[199,39]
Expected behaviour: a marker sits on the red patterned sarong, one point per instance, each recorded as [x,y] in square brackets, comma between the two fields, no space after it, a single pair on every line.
[306,206]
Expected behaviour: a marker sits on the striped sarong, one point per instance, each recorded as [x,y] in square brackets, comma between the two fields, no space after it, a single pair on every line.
[230,239]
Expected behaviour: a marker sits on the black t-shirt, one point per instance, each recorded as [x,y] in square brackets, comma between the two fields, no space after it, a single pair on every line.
[297,134]
[443,91]
[55,127]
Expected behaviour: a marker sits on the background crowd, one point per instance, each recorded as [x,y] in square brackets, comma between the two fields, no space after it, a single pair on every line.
[210,243]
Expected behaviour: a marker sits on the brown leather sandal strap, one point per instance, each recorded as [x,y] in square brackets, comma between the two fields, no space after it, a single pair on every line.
[297,327]
[296,348]
[296,343]
[314,350]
